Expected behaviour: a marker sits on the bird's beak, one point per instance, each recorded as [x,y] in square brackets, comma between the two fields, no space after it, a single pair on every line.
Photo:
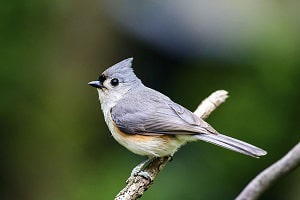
[96,84]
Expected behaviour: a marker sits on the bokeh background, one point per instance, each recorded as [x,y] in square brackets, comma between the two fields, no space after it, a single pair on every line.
[54,141]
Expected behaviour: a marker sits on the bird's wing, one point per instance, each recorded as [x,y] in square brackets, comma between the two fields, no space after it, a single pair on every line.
[153,117]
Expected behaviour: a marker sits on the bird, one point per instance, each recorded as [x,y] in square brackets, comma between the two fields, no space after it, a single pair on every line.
[149,123]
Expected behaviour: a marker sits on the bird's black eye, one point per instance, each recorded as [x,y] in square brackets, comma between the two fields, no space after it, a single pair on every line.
[114,82]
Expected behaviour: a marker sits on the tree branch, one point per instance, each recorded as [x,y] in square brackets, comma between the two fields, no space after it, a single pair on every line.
[137,185]
[268,177]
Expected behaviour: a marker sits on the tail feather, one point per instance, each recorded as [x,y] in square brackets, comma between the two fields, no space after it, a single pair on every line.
[232,144]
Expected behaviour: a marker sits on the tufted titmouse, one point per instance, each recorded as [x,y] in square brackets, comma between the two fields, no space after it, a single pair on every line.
[149,123]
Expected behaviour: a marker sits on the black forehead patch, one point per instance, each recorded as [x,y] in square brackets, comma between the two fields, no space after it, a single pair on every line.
[102,78]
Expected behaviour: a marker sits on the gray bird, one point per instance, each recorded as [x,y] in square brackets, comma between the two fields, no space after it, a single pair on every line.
[148,122]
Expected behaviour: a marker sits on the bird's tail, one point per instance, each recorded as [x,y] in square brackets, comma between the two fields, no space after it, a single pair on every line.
[232,144]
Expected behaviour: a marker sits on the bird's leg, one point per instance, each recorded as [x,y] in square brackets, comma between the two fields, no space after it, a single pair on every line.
[138,170]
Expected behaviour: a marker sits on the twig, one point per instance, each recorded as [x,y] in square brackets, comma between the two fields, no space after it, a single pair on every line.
[137,185]
[268,177]
[209,104]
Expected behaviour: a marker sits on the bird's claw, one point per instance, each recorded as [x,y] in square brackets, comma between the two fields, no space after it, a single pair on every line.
[145,175]
[138,170]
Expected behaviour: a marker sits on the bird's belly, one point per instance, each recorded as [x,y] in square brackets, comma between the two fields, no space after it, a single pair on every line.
[147,145]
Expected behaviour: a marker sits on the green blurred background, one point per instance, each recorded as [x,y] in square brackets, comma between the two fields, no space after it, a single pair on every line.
[54,141]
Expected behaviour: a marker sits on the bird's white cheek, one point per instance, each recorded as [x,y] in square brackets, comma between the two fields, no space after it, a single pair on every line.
[100,93]
[106,103]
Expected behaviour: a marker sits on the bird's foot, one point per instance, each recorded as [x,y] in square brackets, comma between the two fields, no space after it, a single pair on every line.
[139,167]
[138,170]
[145,175]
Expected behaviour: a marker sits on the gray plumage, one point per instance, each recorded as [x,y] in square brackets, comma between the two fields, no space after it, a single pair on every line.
[161,116]
[138,110]
[123,71]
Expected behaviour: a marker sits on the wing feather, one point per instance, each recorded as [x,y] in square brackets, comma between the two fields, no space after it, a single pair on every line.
[155,116]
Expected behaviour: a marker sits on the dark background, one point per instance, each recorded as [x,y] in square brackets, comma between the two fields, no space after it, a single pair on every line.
[54,141]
